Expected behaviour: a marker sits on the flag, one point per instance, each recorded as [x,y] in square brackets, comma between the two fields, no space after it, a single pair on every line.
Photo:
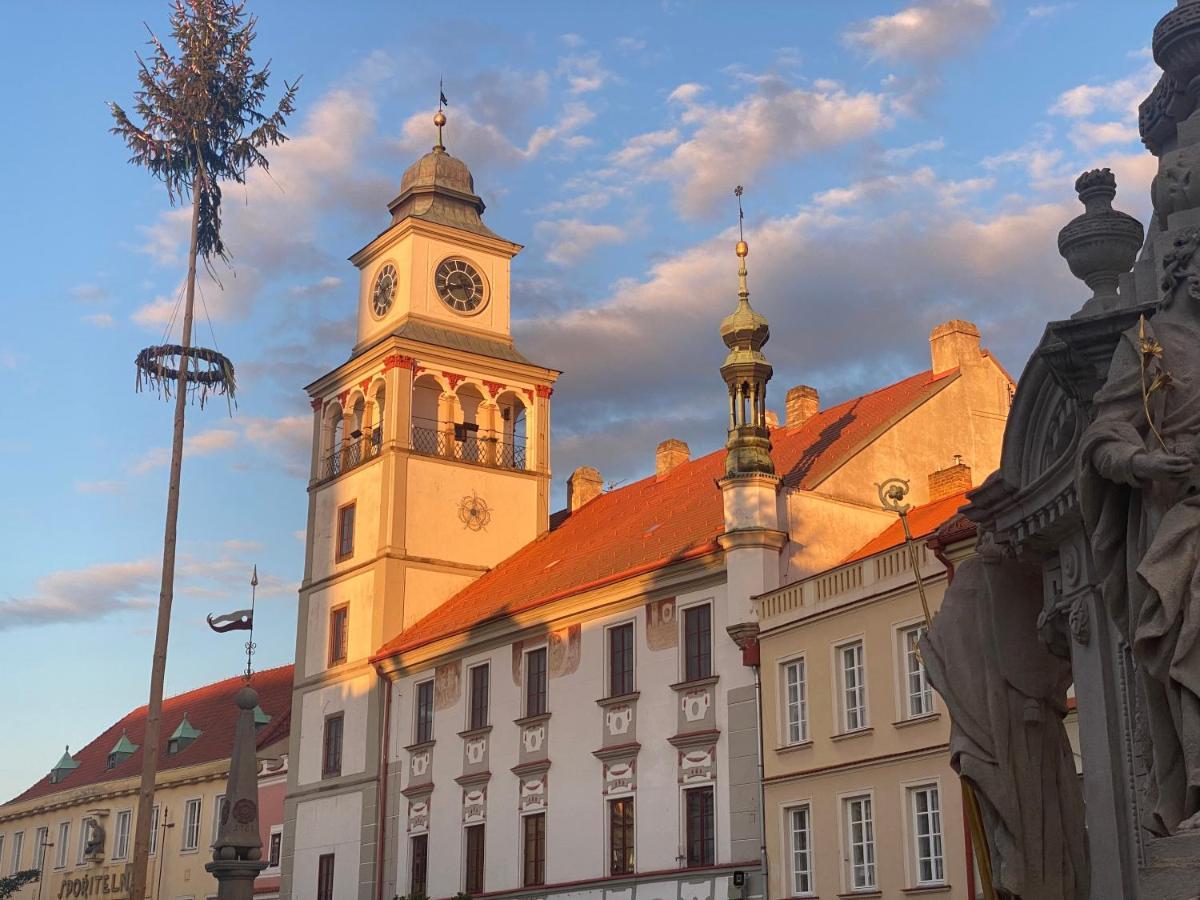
[241,620]
[442,95]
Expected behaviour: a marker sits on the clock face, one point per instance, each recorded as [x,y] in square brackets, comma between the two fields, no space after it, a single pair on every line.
[459,285]
[385,290]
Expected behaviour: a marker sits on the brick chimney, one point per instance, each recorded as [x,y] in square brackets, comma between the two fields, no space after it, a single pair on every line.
[584,484]
[670,453]
[950,481]
[803,402]
[953,344]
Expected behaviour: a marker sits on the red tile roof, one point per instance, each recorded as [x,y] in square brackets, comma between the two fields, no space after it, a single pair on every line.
[654,522]
[209,709]
[922,521]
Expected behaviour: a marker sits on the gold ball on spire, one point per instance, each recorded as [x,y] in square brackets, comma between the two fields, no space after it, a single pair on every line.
[742,249]
[439,119]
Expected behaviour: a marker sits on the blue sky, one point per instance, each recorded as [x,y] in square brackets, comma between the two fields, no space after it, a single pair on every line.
[904,163]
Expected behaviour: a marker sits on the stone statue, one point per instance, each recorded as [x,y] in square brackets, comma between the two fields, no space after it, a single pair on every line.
[1139,486]
[93,845]
[1007,696]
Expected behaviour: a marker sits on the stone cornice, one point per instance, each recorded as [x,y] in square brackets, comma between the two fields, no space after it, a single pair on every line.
[618,751]
[537,767]
[766,538]
[691,739]
[414,225]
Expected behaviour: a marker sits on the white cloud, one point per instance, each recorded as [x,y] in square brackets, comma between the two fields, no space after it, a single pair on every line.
[84,594]
[89,292]
[205,443]
[904,154]
[732,144]
[584,73]
[287,440]
[923,32]
[629,44]
[569,240]
[1123,95]
[99,320]
[1046,10]
[320,287]
[641,147]
[1100,134]
[99,487]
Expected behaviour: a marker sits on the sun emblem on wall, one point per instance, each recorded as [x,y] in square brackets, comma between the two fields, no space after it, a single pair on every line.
[474,512]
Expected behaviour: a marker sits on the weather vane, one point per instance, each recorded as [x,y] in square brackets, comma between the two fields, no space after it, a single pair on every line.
[439,118]
[240,620]
[737,192]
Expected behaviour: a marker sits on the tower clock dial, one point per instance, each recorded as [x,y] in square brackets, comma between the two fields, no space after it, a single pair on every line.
[459,285]
[385,290]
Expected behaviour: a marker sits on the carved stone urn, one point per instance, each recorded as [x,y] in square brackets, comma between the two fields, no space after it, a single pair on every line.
[1177,44]
[1102,243]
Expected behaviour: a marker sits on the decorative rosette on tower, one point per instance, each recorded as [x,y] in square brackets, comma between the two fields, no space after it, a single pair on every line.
[1102,243]
[746,373]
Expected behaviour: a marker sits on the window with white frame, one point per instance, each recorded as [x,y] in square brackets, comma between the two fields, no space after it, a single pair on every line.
[860,842]
[64,839]
[191,825]
[121,838]
[154,830]
[217,807]
[854,689]
[800,840]
[918,694]
[795,701]
[41,841]
[85,832]
[1,850]
[17,846]
[927,834]
[275,848]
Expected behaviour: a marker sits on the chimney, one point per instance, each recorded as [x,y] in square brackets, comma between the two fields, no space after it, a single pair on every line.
[584,484]
[803,402]
[947,482]
[772,419]
[953,344]
[670,453]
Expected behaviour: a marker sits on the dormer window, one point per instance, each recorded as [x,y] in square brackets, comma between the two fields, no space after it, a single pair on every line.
[63,767]
[182,736]
[121,751]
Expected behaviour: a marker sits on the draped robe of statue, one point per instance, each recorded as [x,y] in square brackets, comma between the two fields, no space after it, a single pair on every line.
[1145,540]
[1007,696]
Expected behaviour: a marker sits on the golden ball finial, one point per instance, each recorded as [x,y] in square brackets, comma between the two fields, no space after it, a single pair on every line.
[439,119]
[742,249]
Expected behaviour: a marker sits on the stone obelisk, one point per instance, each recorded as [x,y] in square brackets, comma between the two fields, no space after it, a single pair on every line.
[237,852]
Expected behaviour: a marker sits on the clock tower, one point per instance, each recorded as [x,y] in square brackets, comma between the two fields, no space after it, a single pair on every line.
[430,464]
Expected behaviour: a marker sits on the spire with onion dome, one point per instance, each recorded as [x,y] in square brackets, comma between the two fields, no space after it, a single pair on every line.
[746,373]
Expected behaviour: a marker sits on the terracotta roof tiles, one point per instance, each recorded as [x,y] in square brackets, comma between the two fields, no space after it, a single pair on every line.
[922,521]
[209,708]
[656,521]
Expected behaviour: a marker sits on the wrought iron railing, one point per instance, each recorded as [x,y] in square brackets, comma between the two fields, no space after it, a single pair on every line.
[482,451]
[351,454]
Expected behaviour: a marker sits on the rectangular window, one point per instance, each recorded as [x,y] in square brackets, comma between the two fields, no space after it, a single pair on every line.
[325,876]
[533,849]
[418,864]
[64,839]
[620,836]
[345,532]
[154,830]
[854,692]
[18,846]
[697,639]
[927,829]
[796,700]
[331,750]
[339,634]
[217,807]
[121,839]
[276,849]
[85,832]
[535,683]
[700,836]
[861,843]
[42,839]
[801,841]
[1,850]
[919,692]
[424,712]
[620,660]
[191,825]
[475,859]
[479,697]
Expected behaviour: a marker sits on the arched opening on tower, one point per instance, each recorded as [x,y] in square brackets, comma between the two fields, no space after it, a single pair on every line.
[467,434]
[512,448]
[426,424]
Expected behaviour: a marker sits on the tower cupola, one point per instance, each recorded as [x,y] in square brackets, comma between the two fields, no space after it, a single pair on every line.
[746,373]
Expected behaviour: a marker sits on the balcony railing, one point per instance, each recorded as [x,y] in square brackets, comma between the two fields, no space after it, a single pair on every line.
[352,454]
[481,451]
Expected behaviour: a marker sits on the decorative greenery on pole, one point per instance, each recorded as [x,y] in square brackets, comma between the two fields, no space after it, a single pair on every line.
[201,124]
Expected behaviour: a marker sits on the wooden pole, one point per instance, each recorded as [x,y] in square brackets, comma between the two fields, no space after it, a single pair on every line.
[150,741]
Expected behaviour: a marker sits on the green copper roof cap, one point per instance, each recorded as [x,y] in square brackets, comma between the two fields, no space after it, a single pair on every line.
[66,763]
[185,731]
[260,716]
[124,745]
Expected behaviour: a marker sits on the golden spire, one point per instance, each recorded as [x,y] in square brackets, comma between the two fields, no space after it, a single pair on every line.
[439,118]
[742,249]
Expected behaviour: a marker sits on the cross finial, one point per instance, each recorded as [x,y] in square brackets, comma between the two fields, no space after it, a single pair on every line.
[439,118]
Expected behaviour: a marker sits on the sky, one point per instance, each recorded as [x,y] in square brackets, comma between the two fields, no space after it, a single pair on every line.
[904,163]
